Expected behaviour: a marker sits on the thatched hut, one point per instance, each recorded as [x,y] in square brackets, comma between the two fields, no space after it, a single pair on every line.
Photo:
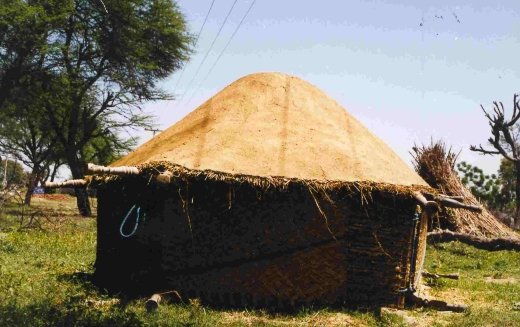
[268,193]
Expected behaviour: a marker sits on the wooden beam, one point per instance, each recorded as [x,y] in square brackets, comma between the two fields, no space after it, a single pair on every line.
[122,170]
[450,203]
[69,183]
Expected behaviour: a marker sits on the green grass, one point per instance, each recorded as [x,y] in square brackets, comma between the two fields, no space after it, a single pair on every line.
[44,281]
[489,283]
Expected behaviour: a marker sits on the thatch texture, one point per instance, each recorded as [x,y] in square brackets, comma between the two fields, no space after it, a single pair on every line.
[271,124]
[436,165]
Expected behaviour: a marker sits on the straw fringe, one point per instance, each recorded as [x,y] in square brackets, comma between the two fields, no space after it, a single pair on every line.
[365,189]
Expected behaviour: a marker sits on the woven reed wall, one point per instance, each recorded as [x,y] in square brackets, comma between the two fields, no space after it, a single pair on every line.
[235,245]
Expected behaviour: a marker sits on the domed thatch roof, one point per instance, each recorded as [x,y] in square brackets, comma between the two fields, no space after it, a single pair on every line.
[271,124]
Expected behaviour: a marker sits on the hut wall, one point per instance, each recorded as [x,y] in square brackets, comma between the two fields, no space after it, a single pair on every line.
[236,245]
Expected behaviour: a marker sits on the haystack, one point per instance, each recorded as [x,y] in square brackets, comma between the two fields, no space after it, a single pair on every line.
[269,193]
[436,165]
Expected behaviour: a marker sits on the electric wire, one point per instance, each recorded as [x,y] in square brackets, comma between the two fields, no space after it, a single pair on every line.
[222,52]
[196,42]
[209,50]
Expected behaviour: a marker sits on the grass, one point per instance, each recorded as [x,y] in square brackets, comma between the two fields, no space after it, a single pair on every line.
[44,281]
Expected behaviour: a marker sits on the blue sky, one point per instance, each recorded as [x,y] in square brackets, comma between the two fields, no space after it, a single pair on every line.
[409,70]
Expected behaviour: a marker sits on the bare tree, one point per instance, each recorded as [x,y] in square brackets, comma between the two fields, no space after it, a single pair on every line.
[504,140]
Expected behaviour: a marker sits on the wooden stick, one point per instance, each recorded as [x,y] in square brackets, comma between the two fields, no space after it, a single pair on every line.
[490,244]
[436,276]
[456,204]
[430,206]
[152,303]
[434,304]
[122,170]
[453,197]
[69,183]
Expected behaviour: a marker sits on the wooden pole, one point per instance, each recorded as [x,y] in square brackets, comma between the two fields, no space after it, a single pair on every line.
[430,207]
[69,183]
[451,203]
[122,170]
[152,303]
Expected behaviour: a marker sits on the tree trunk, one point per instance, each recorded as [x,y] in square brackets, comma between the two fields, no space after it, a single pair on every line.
[54,171]
[78,172]
[516,222]
[31,185]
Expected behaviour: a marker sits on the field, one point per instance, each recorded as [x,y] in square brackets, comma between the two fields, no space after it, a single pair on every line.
[45,269]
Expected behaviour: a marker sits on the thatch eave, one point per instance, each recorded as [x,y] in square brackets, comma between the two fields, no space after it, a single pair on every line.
[150,171]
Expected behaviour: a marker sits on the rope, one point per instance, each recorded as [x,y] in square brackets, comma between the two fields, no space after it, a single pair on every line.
[138,213]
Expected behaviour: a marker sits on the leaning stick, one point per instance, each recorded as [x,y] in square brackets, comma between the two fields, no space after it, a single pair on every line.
[456,204]
[436,276]
[122,170]
[69,183]
[452,197]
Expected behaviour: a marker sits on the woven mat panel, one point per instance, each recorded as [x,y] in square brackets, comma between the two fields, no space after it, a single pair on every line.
[233,245]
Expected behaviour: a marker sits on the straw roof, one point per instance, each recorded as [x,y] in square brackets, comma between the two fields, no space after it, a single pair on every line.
[272,124]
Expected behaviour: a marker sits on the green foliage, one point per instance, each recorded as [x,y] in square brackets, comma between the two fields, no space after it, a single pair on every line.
[496,191]
[16,175]
[85,68]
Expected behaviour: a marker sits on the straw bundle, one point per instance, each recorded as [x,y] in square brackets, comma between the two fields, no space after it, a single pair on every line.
[435,164]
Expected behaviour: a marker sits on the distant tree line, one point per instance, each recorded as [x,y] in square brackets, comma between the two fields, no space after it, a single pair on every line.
[496,191]
[74,75]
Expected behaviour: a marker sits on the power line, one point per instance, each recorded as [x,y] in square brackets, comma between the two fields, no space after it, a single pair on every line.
[196,41]
[209,50]
[223,50]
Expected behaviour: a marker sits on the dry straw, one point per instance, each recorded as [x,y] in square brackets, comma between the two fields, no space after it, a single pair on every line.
[435,164]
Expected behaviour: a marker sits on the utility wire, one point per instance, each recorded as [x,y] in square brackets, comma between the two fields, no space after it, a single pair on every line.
[222,52]
[196,42]
[209,50]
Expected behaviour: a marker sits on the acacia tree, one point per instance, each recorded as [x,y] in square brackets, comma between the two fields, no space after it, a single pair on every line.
[21,137]
[104,63]
[504,140]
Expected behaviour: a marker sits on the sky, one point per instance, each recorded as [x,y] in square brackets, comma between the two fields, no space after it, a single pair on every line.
[411,71]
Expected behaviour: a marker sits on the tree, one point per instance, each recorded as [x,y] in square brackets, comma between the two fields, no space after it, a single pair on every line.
[24,134]
[504,140]
[494,190]
[95,65]
[15,174]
